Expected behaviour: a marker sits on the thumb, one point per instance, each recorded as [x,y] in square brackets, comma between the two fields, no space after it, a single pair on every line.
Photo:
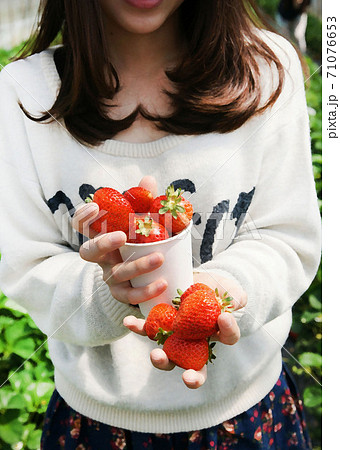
[229,332]
[149,182]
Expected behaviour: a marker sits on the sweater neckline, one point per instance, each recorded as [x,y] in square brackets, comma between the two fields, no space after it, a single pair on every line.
[112,146]
[142,149]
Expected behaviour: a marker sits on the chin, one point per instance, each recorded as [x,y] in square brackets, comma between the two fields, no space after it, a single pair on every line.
[142,25]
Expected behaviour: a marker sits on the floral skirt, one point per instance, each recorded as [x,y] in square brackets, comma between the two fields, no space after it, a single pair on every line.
[277,422]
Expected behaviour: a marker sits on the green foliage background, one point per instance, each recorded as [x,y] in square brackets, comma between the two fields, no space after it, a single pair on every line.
[304,344]
[24,357]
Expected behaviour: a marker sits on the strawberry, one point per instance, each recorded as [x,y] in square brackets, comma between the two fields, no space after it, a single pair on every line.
[140,199]
[194,287]
[199,310]
[114,211]
[188,354]
[159,321]
[175,212]
[147,230]
[197,316]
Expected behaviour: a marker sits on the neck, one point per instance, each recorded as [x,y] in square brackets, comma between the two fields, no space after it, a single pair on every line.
[144,54]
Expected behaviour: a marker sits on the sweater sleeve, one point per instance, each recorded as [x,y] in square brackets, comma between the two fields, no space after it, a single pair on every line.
[276,264]
[65,295]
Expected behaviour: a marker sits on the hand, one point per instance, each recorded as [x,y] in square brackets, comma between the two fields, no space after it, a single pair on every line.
[228,334]
[103,250]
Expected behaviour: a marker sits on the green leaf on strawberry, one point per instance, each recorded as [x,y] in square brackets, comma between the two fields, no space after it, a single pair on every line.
[162,336]
[175,207]
[144,226]
[225,301]
[172,202]
[212,356]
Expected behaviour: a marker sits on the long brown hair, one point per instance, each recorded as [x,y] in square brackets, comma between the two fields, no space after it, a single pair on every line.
[217,82]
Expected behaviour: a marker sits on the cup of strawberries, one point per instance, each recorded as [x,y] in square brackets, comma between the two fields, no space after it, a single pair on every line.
[162,224]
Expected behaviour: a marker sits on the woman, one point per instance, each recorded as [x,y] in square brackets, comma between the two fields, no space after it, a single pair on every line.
[197,94]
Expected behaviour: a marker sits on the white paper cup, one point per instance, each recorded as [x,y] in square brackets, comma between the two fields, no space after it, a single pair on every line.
[176,269]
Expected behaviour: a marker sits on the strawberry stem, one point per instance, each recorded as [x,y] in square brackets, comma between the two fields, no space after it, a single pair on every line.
[144,226]
[172,202]
[212,356]
[89,199]
[176,301]
[225,301]
[162,336]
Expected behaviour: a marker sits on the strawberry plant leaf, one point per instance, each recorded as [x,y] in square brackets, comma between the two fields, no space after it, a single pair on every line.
[312,396]
[314,302]
[20,380]
[45,389]
[17,401]
[17,330]
[308,316]
[310,359]
[6,395]
[11,429]
[24,347]
[14,307]
[11,432]
[33,441]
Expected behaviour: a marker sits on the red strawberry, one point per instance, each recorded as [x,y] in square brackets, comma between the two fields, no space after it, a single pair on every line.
[147,230]
[188,354]
[197,316]
[193,288]
[160,320]
[175,212]
[198,313]
[114,211]
[140,199]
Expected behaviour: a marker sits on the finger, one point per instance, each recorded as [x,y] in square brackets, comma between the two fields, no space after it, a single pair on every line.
[134,324]
[229,331]
[239,300]
[224,285]
[132,269]
[83,217]
[134,296]
[235,293]
[94,250]
[149,182]
[160,360]
[194,379]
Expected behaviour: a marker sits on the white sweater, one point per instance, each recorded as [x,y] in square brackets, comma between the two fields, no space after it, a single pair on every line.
[256,181]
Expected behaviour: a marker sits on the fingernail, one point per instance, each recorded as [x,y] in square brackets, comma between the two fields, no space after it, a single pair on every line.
[157,359]
[90,207]
[161,284]
[117,237]
[154,260]
[86,245]
[127,321]
[227,319]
